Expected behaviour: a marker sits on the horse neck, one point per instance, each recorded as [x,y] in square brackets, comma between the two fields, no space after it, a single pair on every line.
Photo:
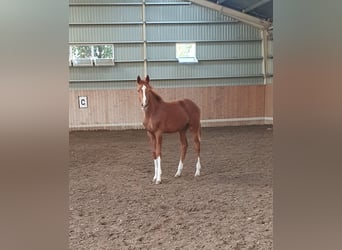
[154,102]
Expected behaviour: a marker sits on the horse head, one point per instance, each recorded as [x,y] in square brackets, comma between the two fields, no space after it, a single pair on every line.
[144,89]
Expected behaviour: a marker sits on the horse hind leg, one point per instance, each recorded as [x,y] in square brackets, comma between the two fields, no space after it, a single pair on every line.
[196,131]
[184,147]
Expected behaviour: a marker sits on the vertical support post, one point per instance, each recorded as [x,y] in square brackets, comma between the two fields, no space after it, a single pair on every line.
[264,51]
[144,36]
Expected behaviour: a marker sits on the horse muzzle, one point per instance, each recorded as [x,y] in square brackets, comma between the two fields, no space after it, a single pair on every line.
[144,106]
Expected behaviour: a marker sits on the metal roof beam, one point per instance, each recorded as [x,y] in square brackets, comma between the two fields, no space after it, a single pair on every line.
[221,1]
[256,5]
[245,18]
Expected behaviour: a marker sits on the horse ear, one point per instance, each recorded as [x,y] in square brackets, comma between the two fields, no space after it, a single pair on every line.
[138,79]
[147,79]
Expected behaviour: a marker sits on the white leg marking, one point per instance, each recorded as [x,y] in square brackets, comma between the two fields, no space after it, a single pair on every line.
[198,167]
[144,95]
[155,170]
[179,170]
[158,170]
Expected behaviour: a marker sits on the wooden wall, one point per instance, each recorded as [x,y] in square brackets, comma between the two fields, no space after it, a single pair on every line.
[269,103]
[226,105]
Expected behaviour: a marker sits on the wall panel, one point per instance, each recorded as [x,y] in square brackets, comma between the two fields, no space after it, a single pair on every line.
[183,13]
[201,32]
[269,100]
[122,71]
[224,105]
[105,14]
[204,69]
[105,33]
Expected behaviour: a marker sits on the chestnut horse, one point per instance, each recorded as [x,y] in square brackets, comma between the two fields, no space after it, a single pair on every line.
[168,117]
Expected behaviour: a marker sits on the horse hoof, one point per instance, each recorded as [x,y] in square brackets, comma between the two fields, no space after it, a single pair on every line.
[158,182]
[197,174]
[177,175]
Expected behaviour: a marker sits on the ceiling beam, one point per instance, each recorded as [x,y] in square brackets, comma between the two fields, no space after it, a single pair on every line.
[221,1]
[245,18]
[256,5]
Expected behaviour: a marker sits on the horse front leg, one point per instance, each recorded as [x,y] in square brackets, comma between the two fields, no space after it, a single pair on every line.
[152,138]
[158,155]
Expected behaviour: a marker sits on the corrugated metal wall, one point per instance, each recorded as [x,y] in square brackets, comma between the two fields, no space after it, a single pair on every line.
[270,59]
[229,52]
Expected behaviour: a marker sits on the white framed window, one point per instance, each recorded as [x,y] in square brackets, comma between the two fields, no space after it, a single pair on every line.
[103,54]
[80,55]
[186,52]
[91,55]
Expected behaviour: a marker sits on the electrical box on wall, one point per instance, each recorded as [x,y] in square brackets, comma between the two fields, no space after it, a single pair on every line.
[82,102]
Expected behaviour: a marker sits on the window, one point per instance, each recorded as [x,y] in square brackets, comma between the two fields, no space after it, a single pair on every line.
[103,54]
[91,55]
[186,52]
[80,56]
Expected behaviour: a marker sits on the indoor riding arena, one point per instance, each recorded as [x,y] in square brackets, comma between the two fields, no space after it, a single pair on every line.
[219,54]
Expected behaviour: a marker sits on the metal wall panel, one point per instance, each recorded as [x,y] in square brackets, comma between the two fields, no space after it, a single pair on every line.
[270,48]
[212,32]
[205,82]
[104,14]
[105,33]
[128,52]
[212,50]
[183,13]
[218,38]
[208,50]
[207,70]
[201,32]
[184,83]
[119,72]
[121,2]
[161,51]
[270,66]
[104,85]
[164,1]
[270,62]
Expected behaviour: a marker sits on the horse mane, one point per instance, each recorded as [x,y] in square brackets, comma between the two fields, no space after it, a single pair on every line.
[156,96]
